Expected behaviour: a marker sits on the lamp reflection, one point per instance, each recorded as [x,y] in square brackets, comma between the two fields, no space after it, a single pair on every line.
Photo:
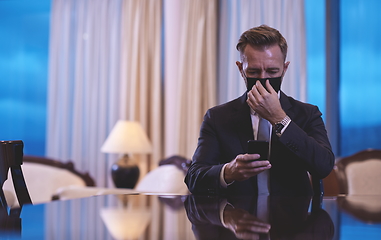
[126,223]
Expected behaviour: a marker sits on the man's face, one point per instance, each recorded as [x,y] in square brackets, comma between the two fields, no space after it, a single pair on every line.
[262,63]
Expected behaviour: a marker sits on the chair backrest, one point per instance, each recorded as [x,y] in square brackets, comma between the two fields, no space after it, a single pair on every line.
[67,166]
[167,178]
[359,174]
[45,176]
[11,158]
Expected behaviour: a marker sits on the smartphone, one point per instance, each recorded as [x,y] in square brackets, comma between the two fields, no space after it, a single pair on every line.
[259,147]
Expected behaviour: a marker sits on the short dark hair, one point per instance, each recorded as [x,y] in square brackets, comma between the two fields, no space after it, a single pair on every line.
[262,36]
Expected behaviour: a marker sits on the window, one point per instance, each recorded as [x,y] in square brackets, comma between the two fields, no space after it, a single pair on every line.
[360,76]
[24,30]
[360,61]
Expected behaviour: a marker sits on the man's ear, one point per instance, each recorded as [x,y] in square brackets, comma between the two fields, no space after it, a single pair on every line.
[285,67]
[240,69]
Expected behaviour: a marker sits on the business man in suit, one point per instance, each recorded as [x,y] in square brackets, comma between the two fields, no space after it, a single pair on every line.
[297,135]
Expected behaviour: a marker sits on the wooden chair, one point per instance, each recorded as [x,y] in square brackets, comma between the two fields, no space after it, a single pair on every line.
[11,158]
[44,177]
[359,179]
[168,177]
[359,174]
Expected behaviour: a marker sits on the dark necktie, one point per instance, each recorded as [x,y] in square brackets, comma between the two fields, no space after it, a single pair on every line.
[263,130]
[263,135]
[263,178]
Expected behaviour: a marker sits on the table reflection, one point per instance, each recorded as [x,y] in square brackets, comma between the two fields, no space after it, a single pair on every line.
[191,217]
[117,219]
[10,222]
[238,218]
[365,208]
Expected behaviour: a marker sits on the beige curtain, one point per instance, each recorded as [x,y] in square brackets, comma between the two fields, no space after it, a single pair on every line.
[141,91]
[190,49]
[190,71]
[84,82]
[104,66]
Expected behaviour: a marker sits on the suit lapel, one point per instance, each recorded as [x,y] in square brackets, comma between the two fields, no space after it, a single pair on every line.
[242,122]
[286,105]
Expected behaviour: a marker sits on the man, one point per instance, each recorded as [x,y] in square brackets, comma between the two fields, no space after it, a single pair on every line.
[298,143]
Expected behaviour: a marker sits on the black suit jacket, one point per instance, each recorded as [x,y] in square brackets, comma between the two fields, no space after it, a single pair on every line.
[303,147]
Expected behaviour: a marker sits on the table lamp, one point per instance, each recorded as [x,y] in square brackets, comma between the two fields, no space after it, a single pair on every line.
[126,138]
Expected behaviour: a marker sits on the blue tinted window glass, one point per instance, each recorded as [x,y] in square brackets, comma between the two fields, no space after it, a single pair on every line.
[24,36]
[360,96]
[315,30]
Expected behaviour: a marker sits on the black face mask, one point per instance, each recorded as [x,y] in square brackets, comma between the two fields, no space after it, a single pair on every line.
[274,82]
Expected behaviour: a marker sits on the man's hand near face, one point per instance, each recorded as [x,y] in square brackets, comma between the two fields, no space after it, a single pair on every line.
[265,103]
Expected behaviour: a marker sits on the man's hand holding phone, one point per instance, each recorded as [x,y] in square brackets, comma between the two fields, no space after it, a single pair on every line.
[245,166]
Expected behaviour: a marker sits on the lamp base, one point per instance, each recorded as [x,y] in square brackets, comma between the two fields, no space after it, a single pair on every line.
[124,174]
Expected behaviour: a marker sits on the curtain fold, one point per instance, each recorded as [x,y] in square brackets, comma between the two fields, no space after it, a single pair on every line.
[235,17]
[194,77]
[83,82]
[141,92]
[104,66]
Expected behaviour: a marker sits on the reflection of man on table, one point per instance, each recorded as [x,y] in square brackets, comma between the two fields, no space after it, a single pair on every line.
[237,218]
[298,139]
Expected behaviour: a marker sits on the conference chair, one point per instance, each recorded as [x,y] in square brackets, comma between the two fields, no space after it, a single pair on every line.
[11,159]
[167,178]
[359,174]
[359,180]
[44,177]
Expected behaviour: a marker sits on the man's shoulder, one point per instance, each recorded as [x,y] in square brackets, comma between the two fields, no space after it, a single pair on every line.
[289,103]
[230,105]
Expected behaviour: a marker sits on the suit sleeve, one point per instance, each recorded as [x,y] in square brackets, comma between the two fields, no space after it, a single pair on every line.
[306,137]
[204,172]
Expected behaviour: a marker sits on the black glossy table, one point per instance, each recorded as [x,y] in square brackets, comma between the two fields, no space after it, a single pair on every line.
[190,217]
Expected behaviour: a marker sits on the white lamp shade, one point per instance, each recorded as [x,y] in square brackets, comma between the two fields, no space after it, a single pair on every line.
[127,137]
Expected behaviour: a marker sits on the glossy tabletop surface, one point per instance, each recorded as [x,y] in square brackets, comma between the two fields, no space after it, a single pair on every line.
[190,217]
